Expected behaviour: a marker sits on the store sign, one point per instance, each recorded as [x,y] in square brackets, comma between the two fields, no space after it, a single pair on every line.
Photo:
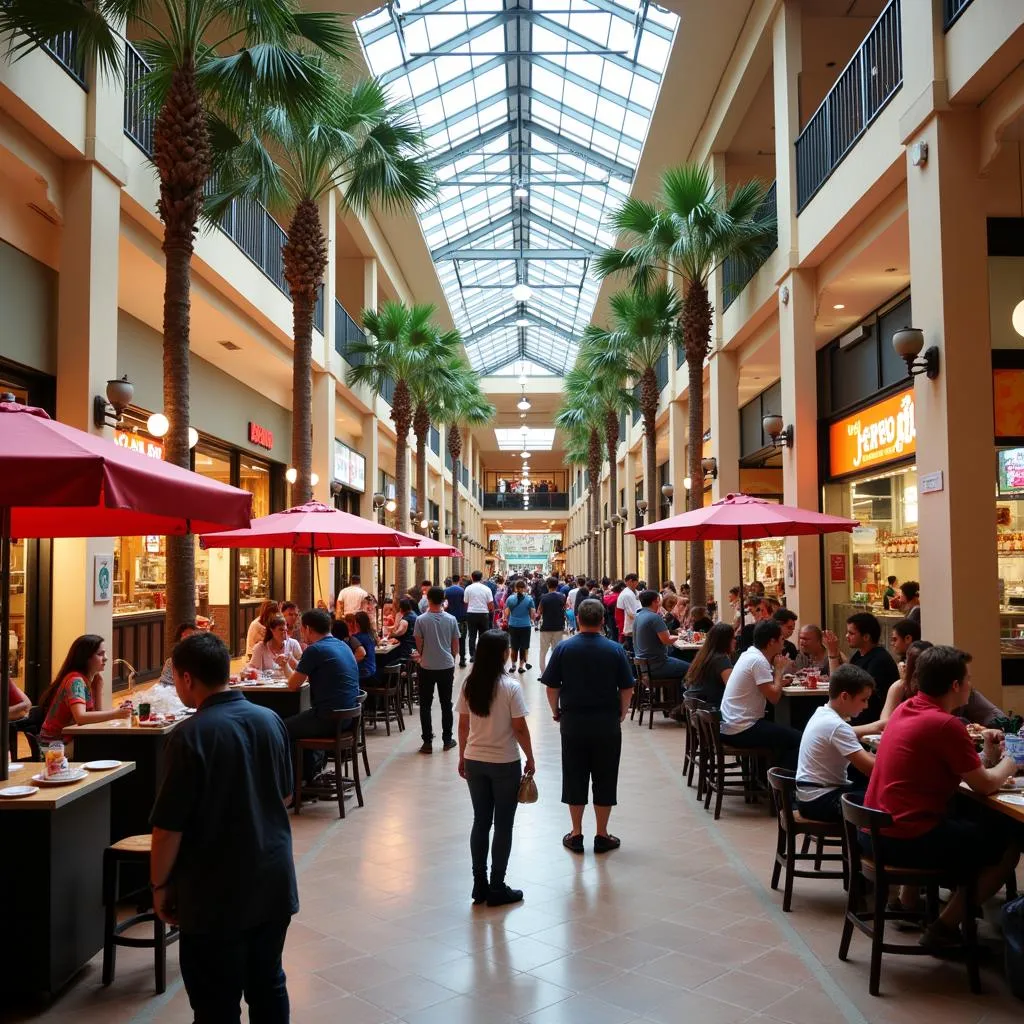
[837,568]
[261,436]
[137,443]
[881,433]
[349,467]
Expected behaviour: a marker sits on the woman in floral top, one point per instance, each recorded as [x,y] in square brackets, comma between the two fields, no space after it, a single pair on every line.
[75,696]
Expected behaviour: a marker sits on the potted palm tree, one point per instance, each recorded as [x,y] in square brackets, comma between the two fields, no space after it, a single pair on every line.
[693,226]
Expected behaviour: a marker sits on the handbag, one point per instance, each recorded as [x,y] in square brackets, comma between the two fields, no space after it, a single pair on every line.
[527,790]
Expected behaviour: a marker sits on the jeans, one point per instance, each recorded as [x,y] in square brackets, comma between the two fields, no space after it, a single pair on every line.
[444,679]
[218,969]
[671,668]
[784,741]
[494,790]
[477,623]
[308,725]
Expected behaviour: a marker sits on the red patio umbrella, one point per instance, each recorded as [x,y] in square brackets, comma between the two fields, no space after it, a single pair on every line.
[59,481]
[741,517]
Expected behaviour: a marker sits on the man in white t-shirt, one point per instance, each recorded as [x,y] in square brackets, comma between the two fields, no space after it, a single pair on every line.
[351,599]
[479,610]
[830,747]
[630,605]
[755,679]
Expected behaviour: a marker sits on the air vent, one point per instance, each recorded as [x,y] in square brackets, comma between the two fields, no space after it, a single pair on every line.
[230,346]
[860,333]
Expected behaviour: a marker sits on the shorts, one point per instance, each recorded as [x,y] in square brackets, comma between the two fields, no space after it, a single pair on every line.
[519,641]
[590,757]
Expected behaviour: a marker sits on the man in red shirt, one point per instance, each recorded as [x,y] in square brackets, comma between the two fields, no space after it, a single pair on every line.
[924,754]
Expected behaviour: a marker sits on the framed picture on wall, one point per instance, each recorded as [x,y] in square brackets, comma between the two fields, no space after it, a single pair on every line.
[790,569]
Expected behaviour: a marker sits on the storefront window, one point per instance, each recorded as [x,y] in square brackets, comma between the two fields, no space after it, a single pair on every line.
[254,563]
[1010,543]
[213,566]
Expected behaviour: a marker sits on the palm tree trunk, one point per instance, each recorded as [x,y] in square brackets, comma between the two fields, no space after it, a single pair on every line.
[181,148]
[649,408]
[612,443]
[455,450]
[421,428]
[305,259]
[697,339]
[401,415]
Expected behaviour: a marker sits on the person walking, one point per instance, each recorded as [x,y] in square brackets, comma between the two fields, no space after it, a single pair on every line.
[519,615]
[455,605]
[629,604]
[221,867]
[437,640]
[589,687]
[552,620]
[492,728]
[479,609]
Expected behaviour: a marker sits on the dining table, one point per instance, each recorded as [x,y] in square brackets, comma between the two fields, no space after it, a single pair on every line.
[144,744]
[51,913]
[798,703]
[272,691]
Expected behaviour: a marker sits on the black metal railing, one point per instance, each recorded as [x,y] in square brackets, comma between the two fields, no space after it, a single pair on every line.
[434,440]
[64,50]
[737,273]
[546,501]
[346,331]
[318,309]
[661,371]
[872,77]
[951,10]
[388,391]
[138,119]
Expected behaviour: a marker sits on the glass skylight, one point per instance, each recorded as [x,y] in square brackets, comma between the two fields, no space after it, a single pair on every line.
[551,96]
[536,439]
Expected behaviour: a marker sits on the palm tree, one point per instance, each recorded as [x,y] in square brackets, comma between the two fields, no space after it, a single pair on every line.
[693,226]
[466,408]
[353,144]
[206,58]
[401,346]
[609,386]
[644,325]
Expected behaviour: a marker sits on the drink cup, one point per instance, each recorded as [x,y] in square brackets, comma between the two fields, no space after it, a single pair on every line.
[144,710]
[812,680]
[1015,747]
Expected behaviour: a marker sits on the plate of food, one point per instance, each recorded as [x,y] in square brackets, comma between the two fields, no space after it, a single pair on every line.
[61,779]
[15,792]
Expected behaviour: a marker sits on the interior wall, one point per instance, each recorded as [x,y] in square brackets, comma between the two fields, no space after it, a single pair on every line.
[28,300]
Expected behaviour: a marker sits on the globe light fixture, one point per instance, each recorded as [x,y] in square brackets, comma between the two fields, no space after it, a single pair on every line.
[193,437]
[157,424]
[521,191]
[524,403]
[522,322]
[314,479]
[524,430]
[291,474]
[1017,318]
[522,293]
[391,505]
[524,454]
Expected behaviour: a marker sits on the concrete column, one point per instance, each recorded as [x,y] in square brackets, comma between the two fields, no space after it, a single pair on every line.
[370,284]
[948,265]
[86,360]
[628,477]
[725,446]
[799,410]
[370,449]
[678,464]
[329,219]
[324,419]
[787,63]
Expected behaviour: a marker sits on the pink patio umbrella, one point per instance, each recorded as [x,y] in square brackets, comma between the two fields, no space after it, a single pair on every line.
[59,481]
[741,517]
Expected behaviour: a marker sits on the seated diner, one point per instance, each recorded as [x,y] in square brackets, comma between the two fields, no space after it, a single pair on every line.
[276,648]
[710,669]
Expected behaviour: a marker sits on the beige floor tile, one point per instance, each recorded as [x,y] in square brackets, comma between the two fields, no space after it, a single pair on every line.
[682,970]
[747,990]
[406,993]
[577,1010]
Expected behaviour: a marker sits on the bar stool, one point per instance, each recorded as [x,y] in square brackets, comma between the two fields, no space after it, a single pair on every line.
[388,699]
[131,850]
[691,756]
[720,778]
[342,747]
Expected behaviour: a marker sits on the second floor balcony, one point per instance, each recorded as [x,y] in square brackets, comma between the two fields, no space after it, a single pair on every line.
[737,273]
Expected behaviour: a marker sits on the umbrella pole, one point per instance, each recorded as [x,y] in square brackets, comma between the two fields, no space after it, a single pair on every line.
[380,590]
[312,577]
[5,637]
[739,545]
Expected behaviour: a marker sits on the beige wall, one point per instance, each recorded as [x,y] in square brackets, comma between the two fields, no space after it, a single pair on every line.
[28,301]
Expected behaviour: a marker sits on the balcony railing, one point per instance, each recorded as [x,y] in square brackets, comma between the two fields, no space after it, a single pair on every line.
[951,10]
[62,49]
[873,76]
[346,331]
[736,273]
[538,502]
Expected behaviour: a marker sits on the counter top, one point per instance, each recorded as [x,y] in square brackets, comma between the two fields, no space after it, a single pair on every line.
[52,798]
[120,727]
[139,612]
[267,687]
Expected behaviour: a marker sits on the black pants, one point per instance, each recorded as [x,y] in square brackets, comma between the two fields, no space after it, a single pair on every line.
[218,969]
[444,679]
[463,628]
[494,790]
[308,725]
[828,807]
[476,623]
[783,740]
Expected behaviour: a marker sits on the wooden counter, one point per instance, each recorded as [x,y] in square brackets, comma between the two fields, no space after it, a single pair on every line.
[277,696]
[51,914]
[1000,802]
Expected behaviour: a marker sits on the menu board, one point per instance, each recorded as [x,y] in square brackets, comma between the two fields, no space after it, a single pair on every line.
[1011,473]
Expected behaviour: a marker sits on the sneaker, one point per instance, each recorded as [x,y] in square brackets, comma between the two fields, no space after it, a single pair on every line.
[528,665]
[940,937]
[462,664]
[449,744]
[427,747]
[602,844]
[521,668]
[500,895]
[574,843]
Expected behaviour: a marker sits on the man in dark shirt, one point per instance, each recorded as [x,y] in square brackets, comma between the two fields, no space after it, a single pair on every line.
[761,611]
[552,620]
[455,605]
[221,865]
[863,631]
[333,673]
[590,685]
[787,620]
[652,640]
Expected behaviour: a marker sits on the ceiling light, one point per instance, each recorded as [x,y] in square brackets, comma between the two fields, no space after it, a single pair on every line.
[1017,318]
[524,454]
[314,479]
[524,430]
[521,293]
[839,305]
[523,404]
[291,474]
[521,191]
[193,437]
[522,322]
[157,424]
[391,505]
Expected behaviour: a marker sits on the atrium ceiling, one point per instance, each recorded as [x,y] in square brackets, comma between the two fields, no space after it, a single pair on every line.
[536,112]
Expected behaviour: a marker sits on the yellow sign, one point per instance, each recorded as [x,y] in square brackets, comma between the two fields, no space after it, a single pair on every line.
[881,433]
[138,443]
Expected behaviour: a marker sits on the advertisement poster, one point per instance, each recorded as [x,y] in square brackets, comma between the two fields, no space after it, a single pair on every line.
[837,568]
[103,578]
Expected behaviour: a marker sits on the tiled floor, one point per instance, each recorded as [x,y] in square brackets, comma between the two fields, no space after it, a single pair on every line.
[679,924]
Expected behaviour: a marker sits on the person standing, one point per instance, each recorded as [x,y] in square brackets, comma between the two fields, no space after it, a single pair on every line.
[221,867]
[479,609]
[629,603]
[589,687]
[455,605]
[911,591]
[492,728]
[889,593]
[437,640]
[519,615]
[350,600]
[552,620]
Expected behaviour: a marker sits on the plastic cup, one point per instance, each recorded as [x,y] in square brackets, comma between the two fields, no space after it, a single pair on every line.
[1015,747]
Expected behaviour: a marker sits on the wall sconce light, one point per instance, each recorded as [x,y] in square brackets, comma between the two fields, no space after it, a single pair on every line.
[391,505]
[624,514]
[607,524]
[781,436]
[919,154]
[667,490]
[379,501]
[907,344]
[107,410]
[616,519]
[641,506]
[710,467]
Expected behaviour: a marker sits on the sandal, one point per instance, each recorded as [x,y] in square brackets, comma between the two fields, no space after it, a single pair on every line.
[602,844]
[574,843]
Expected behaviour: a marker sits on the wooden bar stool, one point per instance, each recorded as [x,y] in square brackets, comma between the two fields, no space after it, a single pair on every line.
[719,777]
[387,694]
[342,747]
[691,756]
[132,850]
[642,689]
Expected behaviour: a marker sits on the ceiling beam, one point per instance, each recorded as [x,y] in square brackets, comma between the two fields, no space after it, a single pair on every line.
[521,254]
[447,47]
[470,145]
[443,252]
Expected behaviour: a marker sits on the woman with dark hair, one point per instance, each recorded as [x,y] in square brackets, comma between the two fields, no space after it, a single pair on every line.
[277,649]
[700,619]
[519,616]
[492,728]
[402,631]
[258,627]
[709,671]
[906,686]
[75,696]
[366,636]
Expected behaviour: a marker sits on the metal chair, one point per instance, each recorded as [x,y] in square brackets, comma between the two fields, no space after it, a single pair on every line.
[691,755]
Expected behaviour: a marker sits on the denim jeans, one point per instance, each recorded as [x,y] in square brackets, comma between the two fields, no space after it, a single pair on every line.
[494,790]
[218,969]
[784,741]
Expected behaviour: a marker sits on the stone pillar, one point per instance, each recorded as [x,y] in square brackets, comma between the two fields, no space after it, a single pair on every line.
[329,219]
[725,447]
[678,470]
[324,419]
[628,477]
[370,284]
[949,267]
[797,367]
[787,62]
[369,447]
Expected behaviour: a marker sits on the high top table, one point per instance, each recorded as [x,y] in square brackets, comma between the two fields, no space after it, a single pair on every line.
[51,858]
[276,695]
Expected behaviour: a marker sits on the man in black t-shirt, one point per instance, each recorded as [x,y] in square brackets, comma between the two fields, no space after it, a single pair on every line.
[552,620]
[863,631]
[221,865]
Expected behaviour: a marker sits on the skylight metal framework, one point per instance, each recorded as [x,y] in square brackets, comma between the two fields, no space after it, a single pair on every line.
[555,96]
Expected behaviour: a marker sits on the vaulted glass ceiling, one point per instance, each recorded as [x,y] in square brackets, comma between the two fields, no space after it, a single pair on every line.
[536,112]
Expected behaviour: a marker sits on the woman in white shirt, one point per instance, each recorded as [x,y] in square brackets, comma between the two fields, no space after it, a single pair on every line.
[276,648]
[492,728]
[258,627]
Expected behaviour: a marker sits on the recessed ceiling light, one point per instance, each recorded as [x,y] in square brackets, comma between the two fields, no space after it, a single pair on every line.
[522,293]
[522,322]
[839,305]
